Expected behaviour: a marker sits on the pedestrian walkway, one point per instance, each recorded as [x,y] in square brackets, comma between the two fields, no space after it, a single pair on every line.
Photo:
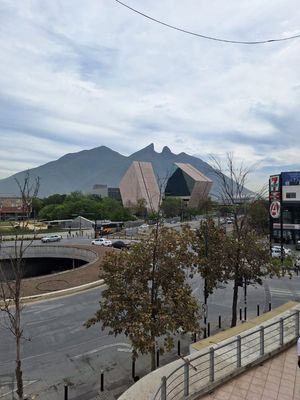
[276,379]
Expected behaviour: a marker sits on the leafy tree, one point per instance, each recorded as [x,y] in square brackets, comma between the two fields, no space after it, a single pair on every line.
[171,207]
[248,256]
[140,209]
[147,296]
[11,305]
[258,214]
[54,199]
[208,244]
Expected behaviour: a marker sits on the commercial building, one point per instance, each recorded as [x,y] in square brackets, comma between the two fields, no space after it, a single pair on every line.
[189,184]
[12,207]
[139,183]
[284,198]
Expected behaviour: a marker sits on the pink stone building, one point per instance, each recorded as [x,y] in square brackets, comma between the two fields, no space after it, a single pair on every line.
[138,183]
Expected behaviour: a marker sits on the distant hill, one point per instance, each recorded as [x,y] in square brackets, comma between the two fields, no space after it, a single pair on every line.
[101,165]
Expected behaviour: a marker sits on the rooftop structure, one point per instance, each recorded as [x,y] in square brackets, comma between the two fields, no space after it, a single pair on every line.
[138,183]
[189,184]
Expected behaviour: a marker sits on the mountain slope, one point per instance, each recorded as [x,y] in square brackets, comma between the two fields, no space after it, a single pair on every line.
[80,171]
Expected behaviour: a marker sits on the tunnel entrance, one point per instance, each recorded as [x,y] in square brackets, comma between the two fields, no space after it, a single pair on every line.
[32,267]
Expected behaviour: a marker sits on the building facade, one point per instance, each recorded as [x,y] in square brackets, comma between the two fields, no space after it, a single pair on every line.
[139,183]
[189,184]
[284,198]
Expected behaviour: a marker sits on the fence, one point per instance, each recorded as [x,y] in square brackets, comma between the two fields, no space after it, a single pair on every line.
[220,361]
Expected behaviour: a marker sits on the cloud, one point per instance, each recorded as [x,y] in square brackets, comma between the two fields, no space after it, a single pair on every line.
[75,76]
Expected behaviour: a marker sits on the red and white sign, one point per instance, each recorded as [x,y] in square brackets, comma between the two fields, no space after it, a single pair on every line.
[275,209]
[274,183]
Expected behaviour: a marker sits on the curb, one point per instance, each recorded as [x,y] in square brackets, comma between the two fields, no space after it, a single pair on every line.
[63,292]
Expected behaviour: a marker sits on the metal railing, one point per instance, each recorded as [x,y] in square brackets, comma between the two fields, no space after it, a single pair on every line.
[217,362]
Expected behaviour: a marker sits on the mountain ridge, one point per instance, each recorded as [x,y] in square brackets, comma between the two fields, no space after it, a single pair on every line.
[101,165]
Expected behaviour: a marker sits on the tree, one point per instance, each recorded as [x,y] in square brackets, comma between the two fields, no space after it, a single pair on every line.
[247,254]
[208,244]
[259,215]
[171,207]
[147,296]
[11,289]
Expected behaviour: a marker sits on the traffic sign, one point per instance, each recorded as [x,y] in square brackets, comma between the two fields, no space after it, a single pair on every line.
[275,209]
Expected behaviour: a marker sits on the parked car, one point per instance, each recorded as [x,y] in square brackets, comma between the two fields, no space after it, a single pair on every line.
[297,263]
[102,242]
[276,251]
[119,244]
[51,238]
[298,245]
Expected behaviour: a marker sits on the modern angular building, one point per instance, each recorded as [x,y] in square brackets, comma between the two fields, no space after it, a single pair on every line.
[189,184]
[284,198]
[138,183]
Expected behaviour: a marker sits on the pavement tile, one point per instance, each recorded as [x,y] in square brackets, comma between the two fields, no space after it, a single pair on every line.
[253,396]
[269,394]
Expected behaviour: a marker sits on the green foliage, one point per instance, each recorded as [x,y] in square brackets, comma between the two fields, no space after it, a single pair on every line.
[147,296]
[209,245]
[76,203]
[258,213]
[171,207]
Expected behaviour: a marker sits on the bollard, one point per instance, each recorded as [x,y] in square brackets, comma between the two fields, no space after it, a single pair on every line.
[270,306]
[133,368]
[208,329]
[241,316]
[258,310]
[178,347]
[157,358]
[102,381]
[195,337]
[66,392]
[220,324]
[245,313]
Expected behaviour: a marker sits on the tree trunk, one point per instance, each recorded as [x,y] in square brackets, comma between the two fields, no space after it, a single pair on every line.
[18,371]
[234,303]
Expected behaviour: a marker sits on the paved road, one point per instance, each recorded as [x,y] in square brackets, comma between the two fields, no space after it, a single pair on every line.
[62,350]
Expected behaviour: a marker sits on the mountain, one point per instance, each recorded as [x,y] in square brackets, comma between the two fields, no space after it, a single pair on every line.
[80,171]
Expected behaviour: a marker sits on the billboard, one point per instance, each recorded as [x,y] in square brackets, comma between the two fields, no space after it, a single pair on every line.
[290,178]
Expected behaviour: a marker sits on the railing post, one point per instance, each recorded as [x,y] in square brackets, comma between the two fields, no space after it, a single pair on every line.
[163,388]
[281,332]
[186,379]
[239,351]
[211,364]
[297,323]
[262,340]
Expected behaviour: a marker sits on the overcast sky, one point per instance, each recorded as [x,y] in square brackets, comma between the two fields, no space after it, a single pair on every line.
[76,75]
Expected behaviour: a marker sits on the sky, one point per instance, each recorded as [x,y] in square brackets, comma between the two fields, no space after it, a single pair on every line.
[76,75]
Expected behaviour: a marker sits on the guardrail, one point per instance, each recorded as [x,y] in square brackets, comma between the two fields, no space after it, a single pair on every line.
[222,361]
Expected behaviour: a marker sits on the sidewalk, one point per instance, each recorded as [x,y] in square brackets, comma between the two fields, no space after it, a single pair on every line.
[276,379]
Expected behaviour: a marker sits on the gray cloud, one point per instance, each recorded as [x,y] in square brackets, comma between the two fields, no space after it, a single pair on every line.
[76,76]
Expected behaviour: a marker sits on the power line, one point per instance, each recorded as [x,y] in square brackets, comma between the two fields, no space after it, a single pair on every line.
[216,39]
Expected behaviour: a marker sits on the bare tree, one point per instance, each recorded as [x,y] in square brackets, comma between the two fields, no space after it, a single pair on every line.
[11,277]
[247,254]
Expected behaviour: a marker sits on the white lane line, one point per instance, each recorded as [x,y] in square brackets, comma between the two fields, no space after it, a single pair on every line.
[24,385]
[107,346]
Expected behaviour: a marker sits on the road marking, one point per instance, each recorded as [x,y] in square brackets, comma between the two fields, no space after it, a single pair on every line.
[284,293]
[107,346]
[14,390]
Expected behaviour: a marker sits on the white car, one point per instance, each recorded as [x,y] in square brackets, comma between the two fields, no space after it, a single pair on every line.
[51,238]
[276,251]
[102,242]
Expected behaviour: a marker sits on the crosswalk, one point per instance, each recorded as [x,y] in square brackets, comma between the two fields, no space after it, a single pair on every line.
[284,293]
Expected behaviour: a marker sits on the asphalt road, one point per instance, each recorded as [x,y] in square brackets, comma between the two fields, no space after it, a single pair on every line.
[62,351]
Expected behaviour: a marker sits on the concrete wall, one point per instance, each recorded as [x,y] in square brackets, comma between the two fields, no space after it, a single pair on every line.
[41,251]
